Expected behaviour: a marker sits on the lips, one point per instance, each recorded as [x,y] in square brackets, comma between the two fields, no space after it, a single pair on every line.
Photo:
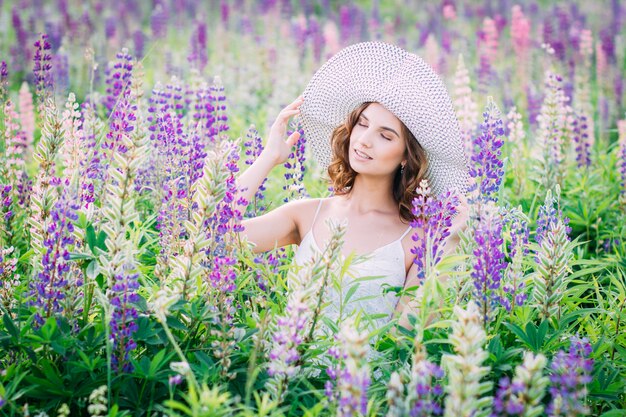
[362,154]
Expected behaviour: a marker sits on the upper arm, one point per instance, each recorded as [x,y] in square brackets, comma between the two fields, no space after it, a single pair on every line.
[277,228]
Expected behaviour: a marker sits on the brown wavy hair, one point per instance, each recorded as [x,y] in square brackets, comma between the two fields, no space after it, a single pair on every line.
[404,185]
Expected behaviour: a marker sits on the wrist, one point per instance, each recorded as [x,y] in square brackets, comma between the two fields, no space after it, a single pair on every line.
[269,158]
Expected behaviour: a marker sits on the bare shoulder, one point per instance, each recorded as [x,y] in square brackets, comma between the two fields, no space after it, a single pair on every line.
[302,212]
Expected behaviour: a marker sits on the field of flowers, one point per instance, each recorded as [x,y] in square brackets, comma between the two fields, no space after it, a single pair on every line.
[125,289]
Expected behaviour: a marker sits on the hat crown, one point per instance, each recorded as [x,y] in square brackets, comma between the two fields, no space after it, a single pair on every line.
[406,86]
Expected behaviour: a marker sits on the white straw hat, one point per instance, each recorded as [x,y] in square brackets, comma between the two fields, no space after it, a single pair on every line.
[406,86]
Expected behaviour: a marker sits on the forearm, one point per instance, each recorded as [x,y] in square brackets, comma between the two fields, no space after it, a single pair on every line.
[250,180]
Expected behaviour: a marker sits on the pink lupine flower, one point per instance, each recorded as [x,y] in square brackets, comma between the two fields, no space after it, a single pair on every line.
[601,61]
[449,13]
[621,157]
[27,113]
[432,54]
[586,43]
[489,45]
[520,33]
[331,37]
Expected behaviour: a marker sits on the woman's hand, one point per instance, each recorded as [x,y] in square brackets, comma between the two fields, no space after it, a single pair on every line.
[277,148]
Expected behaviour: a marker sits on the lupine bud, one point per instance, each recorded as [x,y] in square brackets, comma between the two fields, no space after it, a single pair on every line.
[465,368]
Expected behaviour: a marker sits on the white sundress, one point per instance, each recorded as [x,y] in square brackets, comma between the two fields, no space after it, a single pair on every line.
[386,263]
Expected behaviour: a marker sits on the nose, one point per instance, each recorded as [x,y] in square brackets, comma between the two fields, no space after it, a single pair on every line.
[364,138]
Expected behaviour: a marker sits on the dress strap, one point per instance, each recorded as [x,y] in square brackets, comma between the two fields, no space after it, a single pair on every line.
[317,212]
[407,231]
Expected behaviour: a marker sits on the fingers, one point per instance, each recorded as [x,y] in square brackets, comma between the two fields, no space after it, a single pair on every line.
[293,138]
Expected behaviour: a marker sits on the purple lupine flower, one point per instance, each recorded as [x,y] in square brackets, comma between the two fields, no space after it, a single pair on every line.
[253,146]
[228,217]
[139,42]
[547,217]
[425,390]
[91,167]
[159,20]
[198,43]
[317,36]
[579,129]
[21,51]
[61,73]
[571,372]
[118,78]
[110,27]
[489,262]
[621,157]
[288,335]
[295,169]
[42,69]
[175,380]
[220,118]
[48,289]
[5,203]
[4,80]
[509,399]
[433,219]
[514,284]
[486,163]
[123,322]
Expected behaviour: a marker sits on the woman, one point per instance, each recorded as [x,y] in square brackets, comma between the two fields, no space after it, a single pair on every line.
[381,120]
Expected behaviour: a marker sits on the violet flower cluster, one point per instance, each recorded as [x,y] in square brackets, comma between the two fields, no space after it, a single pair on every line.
[123,295]
[198,45]
[621,158]
[513,284]
[433,219]
[42,70]
[349,377]
[295,169]
[548,216]
[571,372]
[253,146]
[118,78]
[49,287]
[580,136]
[289,334]
[489,262]
[522,395]
[486,163]
[425,392]
[4,80]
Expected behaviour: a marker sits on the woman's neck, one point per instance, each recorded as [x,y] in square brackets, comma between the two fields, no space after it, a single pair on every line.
[370,194]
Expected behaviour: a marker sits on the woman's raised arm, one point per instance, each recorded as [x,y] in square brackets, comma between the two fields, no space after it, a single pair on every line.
[277,227]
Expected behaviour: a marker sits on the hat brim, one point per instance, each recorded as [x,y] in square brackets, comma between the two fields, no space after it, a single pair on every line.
[405,85]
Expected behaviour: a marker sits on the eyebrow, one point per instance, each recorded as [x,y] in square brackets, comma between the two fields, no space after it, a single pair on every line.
[382,127]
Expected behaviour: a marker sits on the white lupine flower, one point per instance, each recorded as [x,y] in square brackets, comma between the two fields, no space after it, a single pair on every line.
[464,368]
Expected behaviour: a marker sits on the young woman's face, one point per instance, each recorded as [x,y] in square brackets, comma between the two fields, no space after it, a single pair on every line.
[376,144]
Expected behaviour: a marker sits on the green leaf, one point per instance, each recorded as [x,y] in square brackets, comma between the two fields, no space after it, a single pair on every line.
[10,326]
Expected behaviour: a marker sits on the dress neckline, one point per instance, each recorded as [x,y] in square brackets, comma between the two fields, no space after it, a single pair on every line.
[367,254]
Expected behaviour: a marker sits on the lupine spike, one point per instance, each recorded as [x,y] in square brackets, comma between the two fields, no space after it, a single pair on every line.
[552,259]
[552,123]
[522,396]
[571,374]
[350,373]
[464,104]
[466,390]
